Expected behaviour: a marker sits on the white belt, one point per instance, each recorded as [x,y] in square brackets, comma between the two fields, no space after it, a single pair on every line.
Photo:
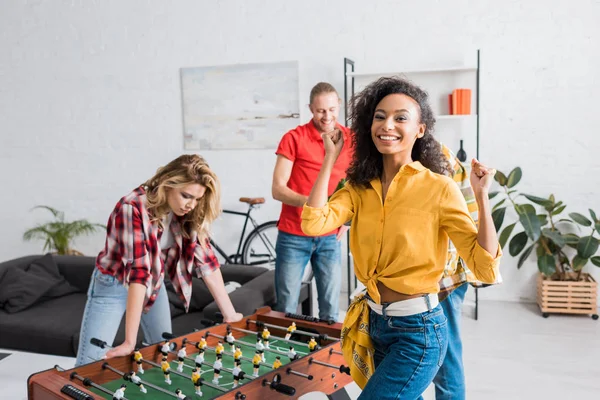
[408,307]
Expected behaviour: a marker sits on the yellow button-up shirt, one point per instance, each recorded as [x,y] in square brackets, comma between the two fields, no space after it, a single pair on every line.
[403,242]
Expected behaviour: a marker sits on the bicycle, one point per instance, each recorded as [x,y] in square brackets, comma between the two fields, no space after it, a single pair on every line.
[258,249]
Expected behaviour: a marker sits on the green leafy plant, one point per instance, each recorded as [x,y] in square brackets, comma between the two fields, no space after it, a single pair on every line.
[58,235]
[561,253]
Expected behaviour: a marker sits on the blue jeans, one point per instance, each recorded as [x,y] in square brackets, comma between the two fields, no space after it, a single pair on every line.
[450,379]
[408,353]
[325,256]
[104,309]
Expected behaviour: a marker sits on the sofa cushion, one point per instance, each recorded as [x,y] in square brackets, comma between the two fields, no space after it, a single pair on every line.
[47,328]
[22,287]
[187,323]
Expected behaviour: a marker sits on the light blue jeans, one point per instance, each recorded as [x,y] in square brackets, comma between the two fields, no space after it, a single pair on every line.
[408,353]
[325,256]
[104,310]
[450,379]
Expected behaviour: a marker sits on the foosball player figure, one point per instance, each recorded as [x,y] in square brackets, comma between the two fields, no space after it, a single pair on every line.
[217,370]
[179,394]
[181,355]
[265,336]
[230,340]
[256,362]
[219,348]
[237,370]
[199,358]
[137,356]
[277,362]
[237,355]
[166,369]
[120,392]
[197,381]
[292,353]
[165,348]
[290,330]
[138,381]
[260,347]
[312,344]
[201,345]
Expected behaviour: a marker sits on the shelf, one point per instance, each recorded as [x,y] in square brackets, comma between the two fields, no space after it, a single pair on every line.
[418,71]
[455,116]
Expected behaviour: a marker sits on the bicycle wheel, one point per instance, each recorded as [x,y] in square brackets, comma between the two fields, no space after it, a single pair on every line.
[259,246]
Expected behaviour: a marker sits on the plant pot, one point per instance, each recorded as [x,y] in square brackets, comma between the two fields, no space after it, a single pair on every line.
[567,297]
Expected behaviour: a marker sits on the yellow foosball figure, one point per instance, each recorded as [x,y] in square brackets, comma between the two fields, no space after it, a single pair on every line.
[256,362]
[166,369]
[219,349]
[265,336]
[290,331]
[137,356]
[277,362]
[201,345]
[197,381]
[237,355]
[312,344]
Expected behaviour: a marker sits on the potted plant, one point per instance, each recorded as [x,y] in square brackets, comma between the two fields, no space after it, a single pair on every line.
[59,234]
[563,246]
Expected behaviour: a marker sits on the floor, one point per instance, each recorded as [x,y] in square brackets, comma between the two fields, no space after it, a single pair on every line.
[511,352]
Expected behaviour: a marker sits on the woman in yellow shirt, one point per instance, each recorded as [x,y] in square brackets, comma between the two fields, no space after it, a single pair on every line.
[403,207]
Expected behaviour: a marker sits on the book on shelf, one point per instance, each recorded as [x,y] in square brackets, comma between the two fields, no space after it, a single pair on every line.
[459,102]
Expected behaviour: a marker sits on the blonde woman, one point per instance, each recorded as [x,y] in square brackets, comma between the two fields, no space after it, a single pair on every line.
[160,227]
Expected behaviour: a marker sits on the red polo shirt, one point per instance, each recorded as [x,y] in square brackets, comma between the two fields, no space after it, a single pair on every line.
[304,147]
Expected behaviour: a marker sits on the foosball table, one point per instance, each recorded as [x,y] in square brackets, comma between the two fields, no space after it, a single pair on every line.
[306,354]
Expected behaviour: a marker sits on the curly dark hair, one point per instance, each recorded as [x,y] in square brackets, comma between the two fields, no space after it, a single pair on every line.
[367,163]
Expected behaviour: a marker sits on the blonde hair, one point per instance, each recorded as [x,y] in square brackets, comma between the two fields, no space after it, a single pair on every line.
[322,88]
[185,170]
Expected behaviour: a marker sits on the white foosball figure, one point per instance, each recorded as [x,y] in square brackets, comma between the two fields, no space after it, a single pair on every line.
[138,381]
[120,392]
[292,353]
[165,348]
[199,358]
[260,347]
[217,371]
[230,341]
[236,374]
[181,355]
[179,394]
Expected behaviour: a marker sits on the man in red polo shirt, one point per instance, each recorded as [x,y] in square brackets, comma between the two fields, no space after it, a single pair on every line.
[299,158]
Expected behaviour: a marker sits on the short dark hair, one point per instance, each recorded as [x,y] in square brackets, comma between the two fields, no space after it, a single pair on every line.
[320,88]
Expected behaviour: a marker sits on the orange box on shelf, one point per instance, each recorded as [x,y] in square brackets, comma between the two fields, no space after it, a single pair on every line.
[460,102]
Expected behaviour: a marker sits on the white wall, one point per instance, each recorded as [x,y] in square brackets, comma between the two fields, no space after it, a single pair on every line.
[90,98]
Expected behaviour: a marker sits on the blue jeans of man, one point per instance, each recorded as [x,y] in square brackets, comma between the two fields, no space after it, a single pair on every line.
[104,309]
[450,379]
[325,256]
[408,353]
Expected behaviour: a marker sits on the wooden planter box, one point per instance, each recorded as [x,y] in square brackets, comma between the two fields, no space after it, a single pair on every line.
[567,297]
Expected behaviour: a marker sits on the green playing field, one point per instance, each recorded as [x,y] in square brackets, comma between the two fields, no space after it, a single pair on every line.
[155,376]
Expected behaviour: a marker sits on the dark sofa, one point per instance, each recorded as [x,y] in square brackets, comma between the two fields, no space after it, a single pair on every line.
[51,325]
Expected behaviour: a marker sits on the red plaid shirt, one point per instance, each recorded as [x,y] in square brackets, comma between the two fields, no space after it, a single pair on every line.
[132,252]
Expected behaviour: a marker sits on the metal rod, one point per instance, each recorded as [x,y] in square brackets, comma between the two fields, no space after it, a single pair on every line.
[86,381]
[145,383]
[332,351]
[317,335]
[291,371]
[342,368]
[275,337]
[248,344]
[228,370]
[205,383]
[231,355]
